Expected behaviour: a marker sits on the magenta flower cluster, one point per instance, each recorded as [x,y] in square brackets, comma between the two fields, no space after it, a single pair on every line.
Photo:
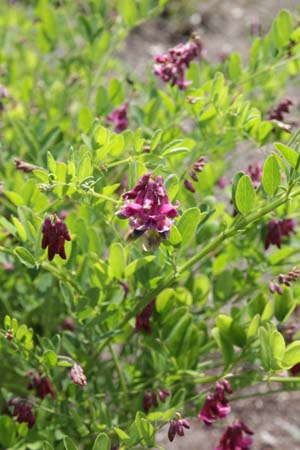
[198,166]
[216,405]
[234,439]
[77,375]
[41,384]
[150,399]
[177,426]
[171,67]
[23,411]
[282,108]
[277,229]
[119,118]
[55,233]
[148,207]
[142,320]
[287,279]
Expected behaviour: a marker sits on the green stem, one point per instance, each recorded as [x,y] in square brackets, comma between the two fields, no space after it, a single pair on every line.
[282,379]
[118,369]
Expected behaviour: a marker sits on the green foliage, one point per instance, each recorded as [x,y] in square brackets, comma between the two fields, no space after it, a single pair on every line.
[201,291]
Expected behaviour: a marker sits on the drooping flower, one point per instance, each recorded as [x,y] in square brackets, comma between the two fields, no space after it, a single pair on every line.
[233,438]
[119,118]
[142,320]
[77,375]
[199,164]
[277,115]
[68,324]
[177,426]
[216,405]
[24,166]
[55,233]
[277,229]
[163,394]
[149,401]
[255,172]
[189,185]
[149,208]
[171,67]
[23,411]
[278,112]
[41,384]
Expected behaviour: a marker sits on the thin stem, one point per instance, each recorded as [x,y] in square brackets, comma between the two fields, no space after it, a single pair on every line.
[118,369]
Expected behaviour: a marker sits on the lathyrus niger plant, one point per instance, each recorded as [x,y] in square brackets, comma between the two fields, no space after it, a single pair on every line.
[142,284]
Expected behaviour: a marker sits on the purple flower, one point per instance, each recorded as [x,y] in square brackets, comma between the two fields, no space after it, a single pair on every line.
[216,405]
[290,277]
[278,112]
[171,66]
[8,266]
[222,182]
[149,401]
[150,208]
[77,375]
[233,438]
[41,384]
[54,235]
[22,409]
[255,172]
[119,118]
[199,164]
[177,426]
[277,229]
[3,92]
[68,324]
[295,370]
[163,394]
[24,166]
[142,320]
[189,185]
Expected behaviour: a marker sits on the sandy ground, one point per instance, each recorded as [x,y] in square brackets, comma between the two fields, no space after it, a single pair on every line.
[224,26]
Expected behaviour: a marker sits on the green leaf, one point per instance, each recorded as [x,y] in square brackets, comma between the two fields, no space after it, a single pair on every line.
[49,358]
[290,155]
[116,260]
[85,168]
[271,175]
[172,186]
[128,10]
[245,195]
[20,229]
[69,444]
[138,264]
[25,257]
[8,431]
[187,224]
[291,355]
[85,119]
[235,182]
[175,236]
[235,67]
[115,92]
[284,305]
[163,298]
[102,442]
